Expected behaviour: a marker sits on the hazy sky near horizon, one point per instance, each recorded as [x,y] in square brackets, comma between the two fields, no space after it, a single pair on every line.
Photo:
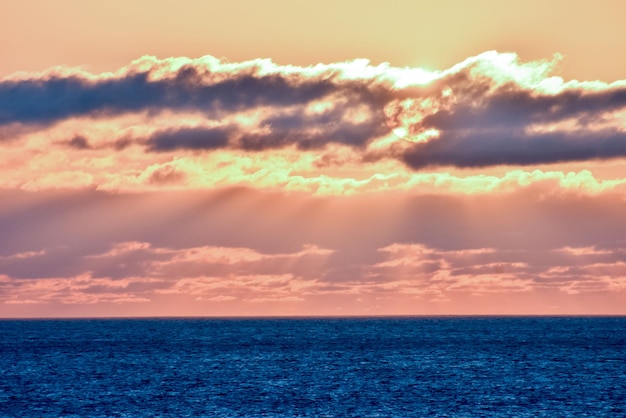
[322,158]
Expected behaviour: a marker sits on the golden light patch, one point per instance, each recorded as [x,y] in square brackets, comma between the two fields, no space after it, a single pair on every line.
[406,117]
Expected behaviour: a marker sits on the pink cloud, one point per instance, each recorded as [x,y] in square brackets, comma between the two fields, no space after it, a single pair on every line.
[82,289]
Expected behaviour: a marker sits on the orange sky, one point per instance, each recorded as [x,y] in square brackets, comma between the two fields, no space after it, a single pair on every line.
[107,35]
[264,170]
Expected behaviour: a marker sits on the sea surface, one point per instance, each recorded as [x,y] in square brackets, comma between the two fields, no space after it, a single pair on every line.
[374,367]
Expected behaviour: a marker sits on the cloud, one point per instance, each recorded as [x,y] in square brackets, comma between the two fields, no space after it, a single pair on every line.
[488,270]
[216,89]
[251,288]
[504,112]
[274,132]
[79,142]
[24,255]
[136,271]
[81,289]
[69,225]
[208,183]
[507,147]
[413,270]
[188,138]
[488,110]
[204,124]
[68,247]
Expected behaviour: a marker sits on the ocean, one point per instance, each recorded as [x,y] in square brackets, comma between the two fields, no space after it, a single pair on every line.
[310,367]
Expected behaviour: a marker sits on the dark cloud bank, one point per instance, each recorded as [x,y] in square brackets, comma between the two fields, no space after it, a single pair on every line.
[490,122]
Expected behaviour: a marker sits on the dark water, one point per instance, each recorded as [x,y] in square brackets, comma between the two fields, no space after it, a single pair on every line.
[314,367]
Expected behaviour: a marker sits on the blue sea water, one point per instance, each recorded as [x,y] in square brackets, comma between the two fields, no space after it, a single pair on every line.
[376,367]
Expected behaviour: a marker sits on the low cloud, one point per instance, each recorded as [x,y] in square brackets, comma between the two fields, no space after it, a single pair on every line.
[410,250]
[488,270]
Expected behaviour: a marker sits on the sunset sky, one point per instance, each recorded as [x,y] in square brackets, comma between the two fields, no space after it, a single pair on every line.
[323,158]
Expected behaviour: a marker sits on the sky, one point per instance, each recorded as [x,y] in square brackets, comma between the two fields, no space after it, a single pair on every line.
[277,158]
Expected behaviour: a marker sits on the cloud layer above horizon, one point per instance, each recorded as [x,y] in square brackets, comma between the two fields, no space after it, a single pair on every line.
[264,188]
[487,110]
